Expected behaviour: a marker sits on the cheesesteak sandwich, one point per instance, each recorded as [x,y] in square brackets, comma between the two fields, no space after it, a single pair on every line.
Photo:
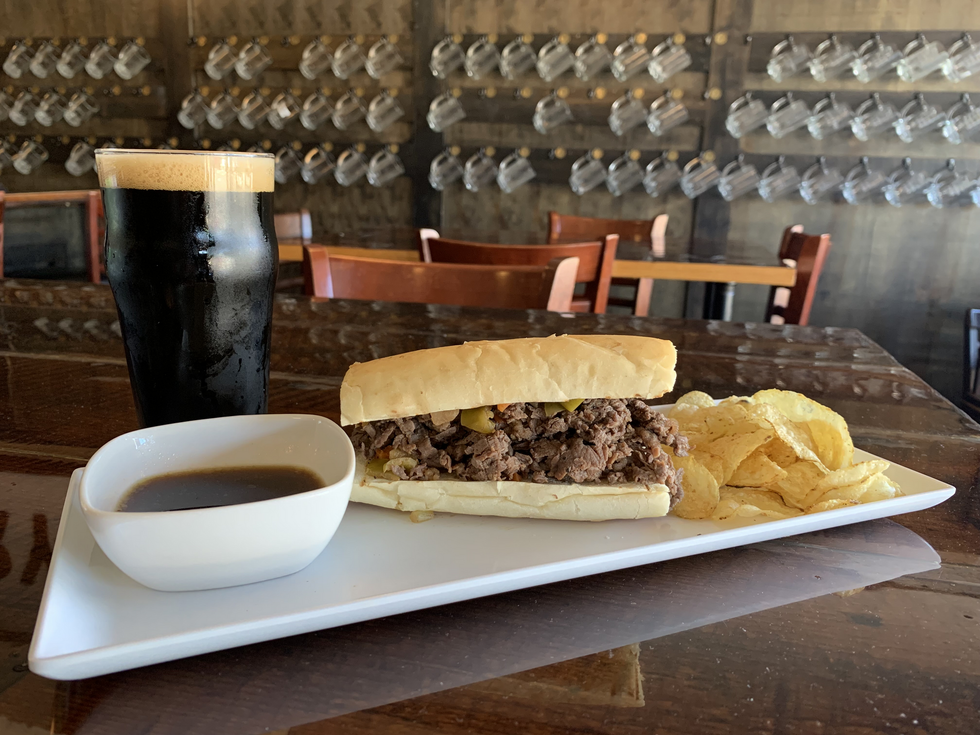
[545,427]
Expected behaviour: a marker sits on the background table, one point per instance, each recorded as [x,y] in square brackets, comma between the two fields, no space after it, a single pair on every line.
[745,640]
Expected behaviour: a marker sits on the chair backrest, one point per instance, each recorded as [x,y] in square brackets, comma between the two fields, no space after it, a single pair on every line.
[971,354]
[572,228]
[507,287]
[3,202]
[779,296]
[595,260]
[94,221]
[422,236]
[785,242]
[295,227]
[807,253]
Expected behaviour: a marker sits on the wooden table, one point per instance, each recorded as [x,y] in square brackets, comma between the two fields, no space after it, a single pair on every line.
[708,272]
[744,640]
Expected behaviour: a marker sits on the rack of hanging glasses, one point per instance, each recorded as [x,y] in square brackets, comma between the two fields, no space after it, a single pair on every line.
[62,97]
[900,101]
[899,182]
[301,83]
[630,91]
[850,117]
[329,108]
[368,163]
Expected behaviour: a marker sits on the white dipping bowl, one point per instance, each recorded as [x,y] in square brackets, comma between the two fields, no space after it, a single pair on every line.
[230,545]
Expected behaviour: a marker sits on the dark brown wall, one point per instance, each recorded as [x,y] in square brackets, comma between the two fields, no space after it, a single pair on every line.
[903,276]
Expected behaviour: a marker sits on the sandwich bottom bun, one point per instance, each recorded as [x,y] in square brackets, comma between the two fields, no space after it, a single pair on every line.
[572,502]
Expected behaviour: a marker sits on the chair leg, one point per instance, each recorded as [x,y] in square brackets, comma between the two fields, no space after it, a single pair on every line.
[644,290]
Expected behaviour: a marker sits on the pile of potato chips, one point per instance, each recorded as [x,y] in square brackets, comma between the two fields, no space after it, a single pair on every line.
[777,454]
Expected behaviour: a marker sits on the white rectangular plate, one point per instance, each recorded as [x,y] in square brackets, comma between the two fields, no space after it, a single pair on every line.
[94,620]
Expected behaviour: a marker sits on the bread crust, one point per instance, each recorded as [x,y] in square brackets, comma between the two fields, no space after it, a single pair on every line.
[572,502]
[556,368]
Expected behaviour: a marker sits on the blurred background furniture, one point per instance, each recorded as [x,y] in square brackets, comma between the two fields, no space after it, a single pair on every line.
[639,275]
[548,286]
[779,296]
[971,358]
[294,227]
[807,254]
[715,271]
[293,230]
[595,261]
[64,246]
[900,644]
[572,228]
[881,256]
[686,268]
[3,202]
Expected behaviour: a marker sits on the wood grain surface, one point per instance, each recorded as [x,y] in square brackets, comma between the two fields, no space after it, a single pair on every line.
[94,18]
[246,18]
[706,272]
[744,640]
[929,299]
[844,15]
[555,16]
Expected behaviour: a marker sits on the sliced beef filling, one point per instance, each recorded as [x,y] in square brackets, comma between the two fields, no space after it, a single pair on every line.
[609,441]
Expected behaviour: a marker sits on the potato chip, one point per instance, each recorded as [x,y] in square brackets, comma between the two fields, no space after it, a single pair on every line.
[779,452]
[713,464]
[746,502]
[876,487]
[881,488]
[801,477]
[831,438]
[703,426]
[774,455]
[733,448]
[700,489]
[707,423]
[727,419]
[852,475]
[757,470]
[684,414]
[745,400]
[830,505]
[796,436]
[696,398]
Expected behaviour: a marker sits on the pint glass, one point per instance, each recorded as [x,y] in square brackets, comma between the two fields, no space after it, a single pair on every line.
[191,256]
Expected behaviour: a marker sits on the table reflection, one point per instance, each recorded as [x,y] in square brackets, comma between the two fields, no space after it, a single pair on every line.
[277,685]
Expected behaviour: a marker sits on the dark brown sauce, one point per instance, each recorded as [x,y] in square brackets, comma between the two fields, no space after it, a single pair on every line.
[216,488]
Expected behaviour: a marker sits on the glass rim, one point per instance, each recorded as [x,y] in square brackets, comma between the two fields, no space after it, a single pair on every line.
[178,151]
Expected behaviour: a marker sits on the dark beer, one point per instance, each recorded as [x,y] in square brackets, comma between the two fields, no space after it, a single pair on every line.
[191,256]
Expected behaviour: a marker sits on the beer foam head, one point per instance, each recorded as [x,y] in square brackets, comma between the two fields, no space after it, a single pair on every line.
[185,170]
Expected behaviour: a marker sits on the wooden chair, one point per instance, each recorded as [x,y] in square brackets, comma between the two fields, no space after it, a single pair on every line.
[422,235]
[779,298]
[571,228]
[294,227]
[971,356]
[293,230]
[595,261]
[3,202]
[94,221]
[807,253]
[513,287]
